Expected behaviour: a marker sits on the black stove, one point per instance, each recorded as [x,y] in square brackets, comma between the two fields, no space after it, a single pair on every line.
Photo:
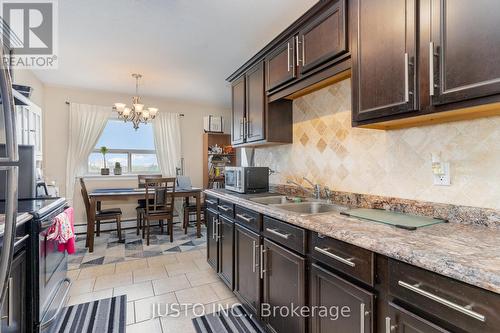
[38,207]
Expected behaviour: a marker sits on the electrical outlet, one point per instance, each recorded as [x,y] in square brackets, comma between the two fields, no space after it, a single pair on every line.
[445,178]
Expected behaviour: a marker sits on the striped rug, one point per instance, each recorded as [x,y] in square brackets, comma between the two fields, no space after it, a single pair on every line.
[235,320]
[103,316]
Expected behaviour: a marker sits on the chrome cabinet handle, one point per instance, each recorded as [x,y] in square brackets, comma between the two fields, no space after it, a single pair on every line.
[216,220]
[10,309]
[388,327]
[325,251]
[242,130]
[431,68]
[20,240]
[210,201]
[253,256]
[213,227]
[288,56]
[297,60]
[224,208]
[244,218]
[277,233]
[407,79]
[362,320]
[303,51]
[262,263]
[463,309]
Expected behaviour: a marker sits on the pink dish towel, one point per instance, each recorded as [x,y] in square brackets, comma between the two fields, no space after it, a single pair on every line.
[63,231]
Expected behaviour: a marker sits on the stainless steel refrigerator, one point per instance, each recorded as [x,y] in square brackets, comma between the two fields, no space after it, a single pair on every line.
[9,168]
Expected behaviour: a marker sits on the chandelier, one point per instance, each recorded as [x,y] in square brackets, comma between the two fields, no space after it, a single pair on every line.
[137,113]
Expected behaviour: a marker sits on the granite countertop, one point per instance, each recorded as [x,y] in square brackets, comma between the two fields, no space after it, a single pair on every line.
[463,252]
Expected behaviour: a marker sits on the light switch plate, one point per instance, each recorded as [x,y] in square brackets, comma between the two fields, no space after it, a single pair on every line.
[445,178]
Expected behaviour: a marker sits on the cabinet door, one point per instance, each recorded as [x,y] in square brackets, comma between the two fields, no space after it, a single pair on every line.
[324,38]
[281,65]
[284,288]
[14,308]
[246,267]
[403,321]
[383,56]
[226,250]
[212,247]
[238,115]
[354,305]
[465,47]
[256,104]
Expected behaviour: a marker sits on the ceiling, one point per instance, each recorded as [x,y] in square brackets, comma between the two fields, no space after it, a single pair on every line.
[184,48]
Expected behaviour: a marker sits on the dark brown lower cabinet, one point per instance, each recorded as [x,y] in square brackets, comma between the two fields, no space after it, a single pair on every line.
[284,275]
[350,308]
[212,248]
[14,308]
[403,321]
[247,285]
[225,240]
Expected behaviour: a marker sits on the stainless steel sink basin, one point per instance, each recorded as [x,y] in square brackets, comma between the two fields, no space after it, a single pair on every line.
[314,207]
[272,200]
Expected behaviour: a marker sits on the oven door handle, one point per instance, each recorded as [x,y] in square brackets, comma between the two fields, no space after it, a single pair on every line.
[48,322]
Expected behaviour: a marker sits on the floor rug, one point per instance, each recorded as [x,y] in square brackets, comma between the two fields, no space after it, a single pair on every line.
[103,316]
[235,320]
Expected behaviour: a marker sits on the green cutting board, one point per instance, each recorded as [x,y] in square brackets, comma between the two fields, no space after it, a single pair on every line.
[400,220]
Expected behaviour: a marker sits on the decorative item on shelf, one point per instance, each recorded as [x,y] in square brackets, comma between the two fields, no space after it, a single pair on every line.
[137,113]
[118,169]
[228,149]
[212,124]
[105,170]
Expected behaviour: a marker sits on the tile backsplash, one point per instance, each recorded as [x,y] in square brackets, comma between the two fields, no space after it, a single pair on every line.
[396,163]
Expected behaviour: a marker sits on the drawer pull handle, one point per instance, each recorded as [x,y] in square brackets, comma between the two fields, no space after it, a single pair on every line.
[388,327]
[224,208]
[244,218]
[21,239]
[445,302]
[253,256]
[277,233]
[210,201]
[348,262]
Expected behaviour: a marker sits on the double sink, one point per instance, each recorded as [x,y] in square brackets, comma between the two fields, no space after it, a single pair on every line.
[299,205]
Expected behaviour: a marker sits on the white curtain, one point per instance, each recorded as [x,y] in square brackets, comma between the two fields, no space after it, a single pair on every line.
[86,123]
[167,135]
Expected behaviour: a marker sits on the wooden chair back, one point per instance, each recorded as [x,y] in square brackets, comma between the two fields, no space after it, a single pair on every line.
[85,195]
[141,179]
[160,196]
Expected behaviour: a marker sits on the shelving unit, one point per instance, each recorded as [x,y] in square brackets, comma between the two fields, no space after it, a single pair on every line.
[210,177]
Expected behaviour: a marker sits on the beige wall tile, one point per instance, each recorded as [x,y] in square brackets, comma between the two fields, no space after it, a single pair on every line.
[390,163]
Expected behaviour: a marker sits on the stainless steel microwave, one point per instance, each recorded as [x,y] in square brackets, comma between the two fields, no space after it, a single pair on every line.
[247,179]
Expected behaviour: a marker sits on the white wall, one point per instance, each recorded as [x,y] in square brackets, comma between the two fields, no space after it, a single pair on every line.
[56,135]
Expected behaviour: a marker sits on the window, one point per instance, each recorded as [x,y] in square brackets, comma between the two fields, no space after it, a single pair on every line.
[134,149]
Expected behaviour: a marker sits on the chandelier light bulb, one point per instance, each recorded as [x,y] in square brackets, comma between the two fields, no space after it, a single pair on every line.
[145,114]
[138,107]
[126,112]
[153,111]
[120,106]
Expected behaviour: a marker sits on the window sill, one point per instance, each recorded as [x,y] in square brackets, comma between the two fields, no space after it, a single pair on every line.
[128,176]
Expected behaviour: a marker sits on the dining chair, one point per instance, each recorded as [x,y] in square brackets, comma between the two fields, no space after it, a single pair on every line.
[191,209]
[141,203]
[159,198]
[101,214]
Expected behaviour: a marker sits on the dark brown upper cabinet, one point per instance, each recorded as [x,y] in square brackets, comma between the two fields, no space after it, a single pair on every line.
[384,54]
[238,102]
[281,64]
[464,50]
[323,39]
[255,104]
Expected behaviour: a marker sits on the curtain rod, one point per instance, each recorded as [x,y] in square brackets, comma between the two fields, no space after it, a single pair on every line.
[180,114]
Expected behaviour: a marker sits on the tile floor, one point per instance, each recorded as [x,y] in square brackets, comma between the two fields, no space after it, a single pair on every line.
[108,250]
[163,273]
[182,278]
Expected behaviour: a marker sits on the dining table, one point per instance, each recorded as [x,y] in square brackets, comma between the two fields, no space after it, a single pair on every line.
[97,196]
